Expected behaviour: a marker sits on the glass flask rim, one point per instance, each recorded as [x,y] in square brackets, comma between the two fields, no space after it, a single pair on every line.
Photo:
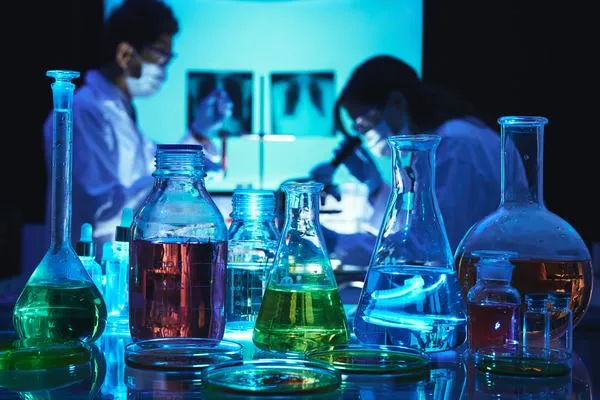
[414,137]
[544,358]
[63,75]
[179,147]
[154,354]
[303,365]
[418,366]
[522,120]
[300,187]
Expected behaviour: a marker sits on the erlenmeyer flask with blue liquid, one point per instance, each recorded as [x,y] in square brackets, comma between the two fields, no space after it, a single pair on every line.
[411,295]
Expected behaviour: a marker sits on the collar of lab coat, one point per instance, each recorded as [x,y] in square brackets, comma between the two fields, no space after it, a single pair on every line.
[96,80]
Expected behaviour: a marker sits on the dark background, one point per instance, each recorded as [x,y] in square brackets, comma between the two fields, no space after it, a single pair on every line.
[506,57]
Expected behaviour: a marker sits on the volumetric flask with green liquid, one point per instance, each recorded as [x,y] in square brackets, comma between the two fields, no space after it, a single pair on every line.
[60,301]
[301,308]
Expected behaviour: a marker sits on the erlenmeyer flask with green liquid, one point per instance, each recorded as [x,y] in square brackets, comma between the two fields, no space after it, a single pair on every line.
[60,301]
[301,307]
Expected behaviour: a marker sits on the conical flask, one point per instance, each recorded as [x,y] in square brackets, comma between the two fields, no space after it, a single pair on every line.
[60,300]
[410,296]
[551,255]
[301,308]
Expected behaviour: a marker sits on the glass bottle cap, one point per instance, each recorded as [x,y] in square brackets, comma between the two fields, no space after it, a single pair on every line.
[42,354]
[522,361]
[272,376]
[374,359]
[180,353]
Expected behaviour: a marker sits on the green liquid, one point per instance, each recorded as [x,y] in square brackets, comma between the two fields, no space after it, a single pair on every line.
[299,319]
[60,311]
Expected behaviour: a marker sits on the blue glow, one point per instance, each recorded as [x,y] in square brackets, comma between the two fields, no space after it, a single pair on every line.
[266,37]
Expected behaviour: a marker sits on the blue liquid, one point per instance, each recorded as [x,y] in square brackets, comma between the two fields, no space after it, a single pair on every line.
[411,306]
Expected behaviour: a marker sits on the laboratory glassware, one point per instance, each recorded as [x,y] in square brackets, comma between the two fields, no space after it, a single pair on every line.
[60,301]
[117,275]
[552,255]
[178,253]
[253,239]
[410,296]
[301,308]
[536,321]
[86,250]
[561,321]
[493,305]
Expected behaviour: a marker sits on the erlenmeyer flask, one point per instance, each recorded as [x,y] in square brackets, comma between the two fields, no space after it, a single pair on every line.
[551,254]
[301,308]
[410,296]
[60,301]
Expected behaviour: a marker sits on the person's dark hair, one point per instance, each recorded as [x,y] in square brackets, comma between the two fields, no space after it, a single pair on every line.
[139,23]
[374,80]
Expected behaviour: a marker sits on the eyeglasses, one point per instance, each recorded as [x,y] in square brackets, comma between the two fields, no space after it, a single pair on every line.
[159,56]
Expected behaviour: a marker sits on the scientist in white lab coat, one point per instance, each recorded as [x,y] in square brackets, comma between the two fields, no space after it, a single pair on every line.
[112,159]
[384,96]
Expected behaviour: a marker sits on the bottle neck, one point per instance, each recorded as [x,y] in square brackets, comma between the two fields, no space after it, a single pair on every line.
[522,163]
[179,163]
[62,142]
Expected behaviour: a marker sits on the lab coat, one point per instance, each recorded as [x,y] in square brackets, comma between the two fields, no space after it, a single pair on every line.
[467,186]
[112,159]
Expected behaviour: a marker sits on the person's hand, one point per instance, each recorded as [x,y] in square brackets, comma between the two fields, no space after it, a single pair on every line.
[362,166]
[323,173]
[212,111]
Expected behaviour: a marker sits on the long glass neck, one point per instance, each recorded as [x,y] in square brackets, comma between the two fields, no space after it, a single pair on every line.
[62,141]
[522,161]
[302,209]
[414,177]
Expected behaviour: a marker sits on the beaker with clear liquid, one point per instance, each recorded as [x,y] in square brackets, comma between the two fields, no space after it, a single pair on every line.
[411,296]
[60,301]
[301,308]
[253,239]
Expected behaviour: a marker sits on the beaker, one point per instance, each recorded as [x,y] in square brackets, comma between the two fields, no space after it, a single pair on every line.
[410,296]
[60,301]
[178,253]
[301,308]
[552,255]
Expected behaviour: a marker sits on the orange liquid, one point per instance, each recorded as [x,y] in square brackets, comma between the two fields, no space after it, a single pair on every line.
[540,276]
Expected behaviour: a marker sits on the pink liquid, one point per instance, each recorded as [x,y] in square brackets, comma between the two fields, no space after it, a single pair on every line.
[492,324]
[177,289]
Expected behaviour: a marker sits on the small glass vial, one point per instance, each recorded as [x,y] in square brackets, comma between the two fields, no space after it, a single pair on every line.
[253,239]
[536,321]
[561,321]
[493,304]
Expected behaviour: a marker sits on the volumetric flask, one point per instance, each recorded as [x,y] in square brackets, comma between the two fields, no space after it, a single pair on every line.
[552,255]
[178,253]
[410,296]
[60,301]
[301,308]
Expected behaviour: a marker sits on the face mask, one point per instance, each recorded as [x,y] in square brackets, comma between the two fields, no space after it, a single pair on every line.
[149,82]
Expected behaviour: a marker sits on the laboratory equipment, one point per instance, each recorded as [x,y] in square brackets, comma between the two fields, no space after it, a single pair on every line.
[379,360]
[410,296]
[536,321]
[552,255]
[60,301]
[272,377]
[493,305]
[301,308]
[113,347]
[561,321]
[178,354]
[86,250]
[519,361]
[178,253]
[253,239]
[117,275]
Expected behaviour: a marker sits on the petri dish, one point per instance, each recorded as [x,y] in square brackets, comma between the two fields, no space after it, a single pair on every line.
[180,353]
[381,360]
[528,361]
[272,377]
[42,364]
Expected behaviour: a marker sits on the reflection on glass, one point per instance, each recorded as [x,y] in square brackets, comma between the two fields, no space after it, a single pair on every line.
[113,347]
